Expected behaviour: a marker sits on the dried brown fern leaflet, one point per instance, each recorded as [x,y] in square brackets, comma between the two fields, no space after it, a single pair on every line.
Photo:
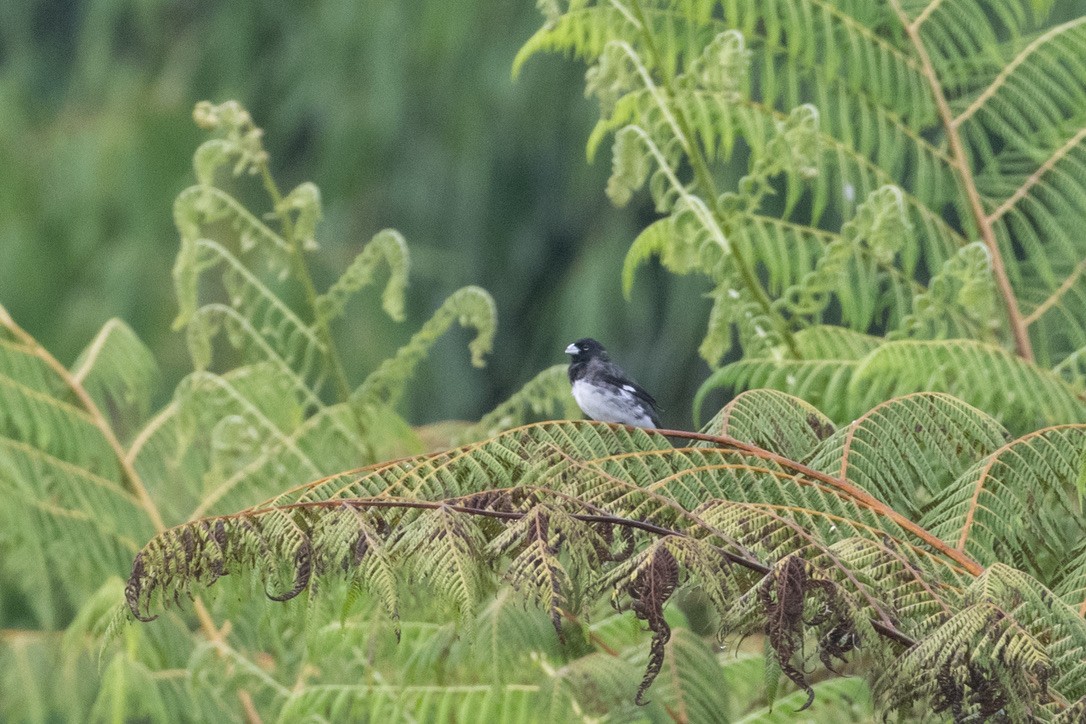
[649,591]
[783,595]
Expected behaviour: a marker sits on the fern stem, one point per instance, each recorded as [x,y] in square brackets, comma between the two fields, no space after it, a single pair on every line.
[856,493]
[343,388]
[704,178]
[252,716]
[984,223]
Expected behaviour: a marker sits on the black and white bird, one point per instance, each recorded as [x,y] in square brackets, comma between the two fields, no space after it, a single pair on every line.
[604,392]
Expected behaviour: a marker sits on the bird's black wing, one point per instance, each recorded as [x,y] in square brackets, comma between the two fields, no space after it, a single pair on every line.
[622,382]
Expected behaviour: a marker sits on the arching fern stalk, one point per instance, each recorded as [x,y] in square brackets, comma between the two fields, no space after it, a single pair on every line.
[902,168]
[921,534]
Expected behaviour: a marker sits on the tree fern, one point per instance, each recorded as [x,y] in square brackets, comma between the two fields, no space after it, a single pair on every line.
[779,140]
[850,549]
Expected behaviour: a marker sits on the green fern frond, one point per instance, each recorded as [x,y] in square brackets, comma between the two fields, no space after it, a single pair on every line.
[960,301]
[946,437]
[388,246]
[256,321]
[774,421]
[470,306]
[982,375]
[990,620]
[1019,498]
[445,550]
[201,206]
[63,469]
[118,372]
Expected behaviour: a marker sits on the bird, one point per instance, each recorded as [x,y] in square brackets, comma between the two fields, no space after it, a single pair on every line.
[604,392]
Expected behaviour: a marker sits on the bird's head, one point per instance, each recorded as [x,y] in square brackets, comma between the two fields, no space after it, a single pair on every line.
[585,349]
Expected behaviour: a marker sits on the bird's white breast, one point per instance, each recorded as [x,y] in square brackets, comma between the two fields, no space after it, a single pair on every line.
[610,405]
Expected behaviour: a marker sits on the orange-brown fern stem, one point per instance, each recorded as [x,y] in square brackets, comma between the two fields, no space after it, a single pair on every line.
[968,184]
[852,491]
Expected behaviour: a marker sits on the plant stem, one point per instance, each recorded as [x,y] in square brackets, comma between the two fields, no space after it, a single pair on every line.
[301,269]
[856,493]
[704,178]
[968,185]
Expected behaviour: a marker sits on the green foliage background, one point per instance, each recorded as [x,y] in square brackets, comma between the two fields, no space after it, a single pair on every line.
[405,116]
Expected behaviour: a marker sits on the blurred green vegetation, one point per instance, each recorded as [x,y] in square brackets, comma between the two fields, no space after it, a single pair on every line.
[404,114]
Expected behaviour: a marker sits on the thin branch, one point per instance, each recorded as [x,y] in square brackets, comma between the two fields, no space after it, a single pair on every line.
[1022,344]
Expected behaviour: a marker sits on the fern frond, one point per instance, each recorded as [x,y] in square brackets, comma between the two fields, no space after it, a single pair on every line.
[991,620]
[982,375]
[470,306]
[257,321]
[201,206]
[63,468]
[388,246]
[774,421]
[118,372]
[945,437]
[1018,504]
[445,549]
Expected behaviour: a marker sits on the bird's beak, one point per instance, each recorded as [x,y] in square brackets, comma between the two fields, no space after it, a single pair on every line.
[572,349]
